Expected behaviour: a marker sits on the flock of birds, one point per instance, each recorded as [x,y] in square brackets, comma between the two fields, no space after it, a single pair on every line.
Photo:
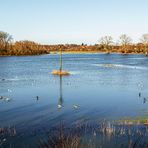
[141,86]
[37,98]
[144,99]
[5,98]
[60,106]
[74,106]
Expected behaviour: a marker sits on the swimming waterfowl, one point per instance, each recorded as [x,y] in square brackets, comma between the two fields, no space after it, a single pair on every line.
[37,97]
[75,106]
[7,99]
[144,100]
[9,90]
[1,97]
[59,106]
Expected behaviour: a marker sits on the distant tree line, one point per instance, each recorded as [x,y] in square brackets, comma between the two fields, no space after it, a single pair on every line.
[105,44]
[125,44]
[7,47]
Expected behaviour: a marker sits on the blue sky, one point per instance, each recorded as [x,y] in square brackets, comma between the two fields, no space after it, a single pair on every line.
[73,21]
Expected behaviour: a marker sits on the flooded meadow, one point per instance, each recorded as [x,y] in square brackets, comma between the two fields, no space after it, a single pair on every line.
[102,103]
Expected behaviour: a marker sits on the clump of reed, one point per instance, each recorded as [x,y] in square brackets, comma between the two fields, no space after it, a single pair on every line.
[60,73]
[5,133]
[83,134]
[104,134]
[11,131]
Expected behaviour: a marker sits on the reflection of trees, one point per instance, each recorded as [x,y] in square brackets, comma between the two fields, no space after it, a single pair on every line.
[60,102]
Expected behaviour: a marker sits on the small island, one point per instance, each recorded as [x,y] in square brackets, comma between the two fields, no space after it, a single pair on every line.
[61,72]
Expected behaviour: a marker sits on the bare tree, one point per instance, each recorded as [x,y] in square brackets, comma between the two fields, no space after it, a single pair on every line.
[106,41]
[144,40]
[5,40]
[125,41]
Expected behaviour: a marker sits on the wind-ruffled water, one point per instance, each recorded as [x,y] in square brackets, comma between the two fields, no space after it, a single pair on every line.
[101,86]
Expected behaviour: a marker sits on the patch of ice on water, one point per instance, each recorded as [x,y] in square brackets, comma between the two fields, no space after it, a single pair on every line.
[120,66]
[138,58]
[12,79]
[74,72]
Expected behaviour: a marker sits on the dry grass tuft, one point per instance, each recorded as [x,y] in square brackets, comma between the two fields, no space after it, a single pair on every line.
[60,73]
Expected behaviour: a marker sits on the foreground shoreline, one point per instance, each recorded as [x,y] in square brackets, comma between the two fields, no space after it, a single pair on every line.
[85,134]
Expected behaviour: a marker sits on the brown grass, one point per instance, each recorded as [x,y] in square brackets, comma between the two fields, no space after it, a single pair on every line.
[100,135]
[60,73]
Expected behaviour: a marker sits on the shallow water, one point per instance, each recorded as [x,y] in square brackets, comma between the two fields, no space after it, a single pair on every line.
[101,86]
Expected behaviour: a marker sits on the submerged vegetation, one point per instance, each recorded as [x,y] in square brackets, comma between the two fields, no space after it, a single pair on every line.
[105,44]
[121,133]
